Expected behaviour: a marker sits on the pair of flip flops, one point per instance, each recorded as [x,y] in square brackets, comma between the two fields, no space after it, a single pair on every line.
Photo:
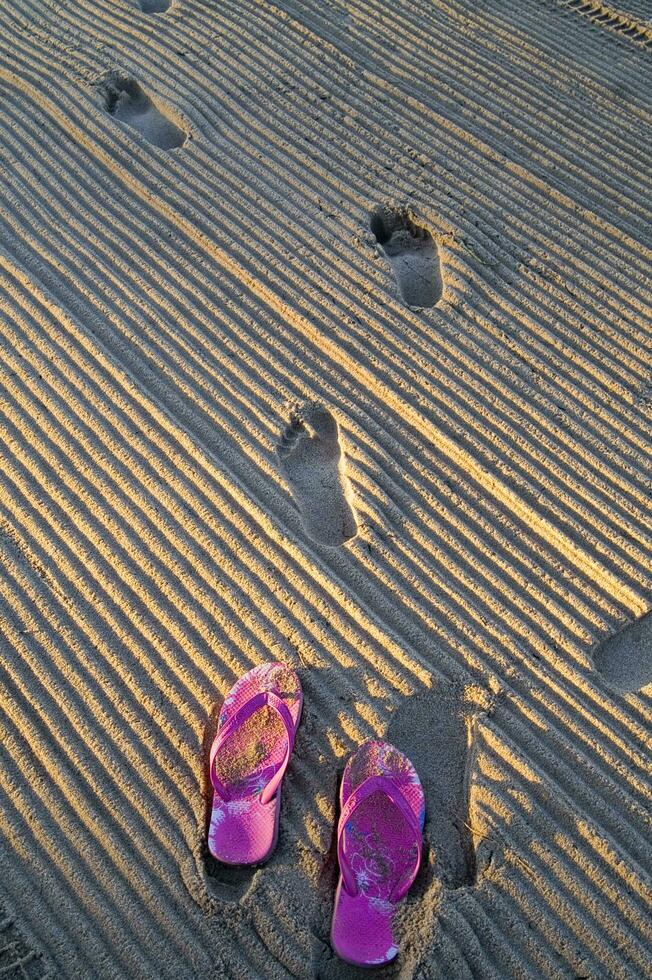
[379,834]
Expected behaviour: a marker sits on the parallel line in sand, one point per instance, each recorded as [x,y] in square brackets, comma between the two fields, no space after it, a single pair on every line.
[127,27]
[477,957]
[116,509]
[129,701]
[502,755]
[115,773]
[213,583]
[98,512]
[289,16]
[65,659]
[635,880]
[68,855]
[491,935]
[198,82]
[108,605]
[39,907]
[557,920]
[404,96]
[58,527]
[446,958]
[301,807]
[387,38]
[126,273]
[518,77]
[470,526]
[422,552]
[613,19]
[32,286]
[545,901]
[526,924]
[257,440]
[432,622]
[143,768]
[325,175]
[562,756]
[510,642]
[564,544]
[589,72]
[521,58]
[118,843]
[563,889]
[55,410]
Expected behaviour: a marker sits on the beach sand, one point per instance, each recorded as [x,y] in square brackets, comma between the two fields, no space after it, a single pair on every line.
[409,244]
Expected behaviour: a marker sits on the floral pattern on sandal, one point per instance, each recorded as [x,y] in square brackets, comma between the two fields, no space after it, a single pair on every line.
[379,851]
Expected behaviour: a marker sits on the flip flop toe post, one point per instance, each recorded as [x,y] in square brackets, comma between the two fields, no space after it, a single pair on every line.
[379,850]
[248,759]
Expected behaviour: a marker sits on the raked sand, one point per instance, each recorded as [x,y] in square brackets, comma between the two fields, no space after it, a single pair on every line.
[408,243]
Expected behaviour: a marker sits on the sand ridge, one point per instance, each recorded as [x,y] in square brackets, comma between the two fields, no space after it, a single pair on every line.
[162,306]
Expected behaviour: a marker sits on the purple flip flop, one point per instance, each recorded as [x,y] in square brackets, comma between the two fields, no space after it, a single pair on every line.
[379,840]
[248,759]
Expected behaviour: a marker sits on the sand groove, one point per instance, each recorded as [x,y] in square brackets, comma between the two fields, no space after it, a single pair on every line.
[159,312]
[272,299]
[612,18]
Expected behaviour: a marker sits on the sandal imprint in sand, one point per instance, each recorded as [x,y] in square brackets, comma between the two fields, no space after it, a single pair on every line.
[379,840]
[248,759]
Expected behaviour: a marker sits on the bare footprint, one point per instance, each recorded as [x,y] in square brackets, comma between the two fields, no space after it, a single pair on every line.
[154,6]
[436,731]
[412,254]
[625,659]
[312,460]
[126,101]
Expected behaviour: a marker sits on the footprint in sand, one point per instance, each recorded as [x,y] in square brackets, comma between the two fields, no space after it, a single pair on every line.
[412,254]
[154,6]
[436,731]
[312,460]
[625,659]
[126,101]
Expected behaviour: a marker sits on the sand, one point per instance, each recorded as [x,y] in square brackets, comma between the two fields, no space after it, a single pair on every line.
[325,337]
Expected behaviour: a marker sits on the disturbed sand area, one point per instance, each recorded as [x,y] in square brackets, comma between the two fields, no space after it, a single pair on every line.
[418,233]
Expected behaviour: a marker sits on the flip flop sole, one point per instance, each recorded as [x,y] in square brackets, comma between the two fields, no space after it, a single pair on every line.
[381,854]
[242,829]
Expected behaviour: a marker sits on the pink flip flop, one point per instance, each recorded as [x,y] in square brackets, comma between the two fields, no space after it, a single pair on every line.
[379,839]
[248,759]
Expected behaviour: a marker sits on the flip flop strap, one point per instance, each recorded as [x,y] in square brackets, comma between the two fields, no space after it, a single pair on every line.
[388,786]
[260,700]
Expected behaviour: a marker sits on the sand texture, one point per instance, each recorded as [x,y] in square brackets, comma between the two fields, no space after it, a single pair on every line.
[325,337]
